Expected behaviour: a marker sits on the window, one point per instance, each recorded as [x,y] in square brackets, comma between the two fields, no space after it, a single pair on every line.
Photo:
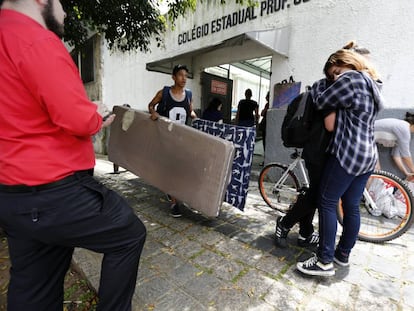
[84,59]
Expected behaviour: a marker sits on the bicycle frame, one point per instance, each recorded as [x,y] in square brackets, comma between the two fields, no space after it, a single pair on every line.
[298,161]
[304,173]
[370,205]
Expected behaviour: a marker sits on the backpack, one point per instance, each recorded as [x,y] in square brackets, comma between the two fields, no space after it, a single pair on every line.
[162,107]
[297,123]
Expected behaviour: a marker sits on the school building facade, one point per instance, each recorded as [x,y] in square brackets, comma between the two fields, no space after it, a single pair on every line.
[231,47]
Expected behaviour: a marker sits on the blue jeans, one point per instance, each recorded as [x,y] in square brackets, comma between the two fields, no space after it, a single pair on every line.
[337,184]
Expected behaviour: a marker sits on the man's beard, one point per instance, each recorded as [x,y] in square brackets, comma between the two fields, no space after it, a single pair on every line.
[51,23]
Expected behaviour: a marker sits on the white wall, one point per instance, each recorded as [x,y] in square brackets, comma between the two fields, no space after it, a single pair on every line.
[126,81]
[384,27]
[318,28]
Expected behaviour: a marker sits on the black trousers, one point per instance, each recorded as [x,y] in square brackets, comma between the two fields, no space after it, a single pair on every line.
[304,209]
[43,227]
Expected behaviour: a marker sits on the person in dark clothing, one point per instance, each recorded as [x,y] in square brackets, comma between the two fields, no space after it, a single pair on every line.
[247,111]
[304,209]
[262,124]
[213,111]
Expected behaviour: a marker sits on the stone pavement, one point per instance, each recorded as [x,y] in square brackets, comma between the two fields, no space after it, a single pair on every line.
[231,263]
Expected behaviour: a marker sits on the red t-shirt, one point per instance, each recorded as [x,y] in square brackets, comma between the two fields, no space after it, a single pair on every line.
[46,119]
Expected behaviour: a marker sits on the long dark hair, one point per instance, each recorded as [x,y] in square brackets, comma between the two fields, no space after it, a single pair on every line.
[214,104]
[409,117]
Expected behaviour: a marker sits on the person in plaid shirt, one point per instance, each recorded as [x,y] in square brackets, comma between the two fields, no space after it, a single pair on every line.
[351,88]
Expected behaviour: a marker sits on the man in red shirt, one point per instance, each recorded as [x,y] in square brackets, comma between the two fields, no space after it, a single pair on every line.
[49,202]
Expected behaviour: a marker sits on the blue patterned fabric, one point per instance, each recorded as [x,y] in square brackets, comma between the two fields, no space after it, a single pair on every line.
[243,139]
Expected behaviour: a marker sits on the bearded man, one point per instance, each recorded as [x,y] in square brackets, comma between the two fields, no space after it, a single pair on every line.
[49,200]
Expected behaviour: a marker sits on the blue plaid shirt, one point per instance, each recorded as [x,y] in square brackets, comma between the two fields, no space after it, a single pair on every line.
[356,99]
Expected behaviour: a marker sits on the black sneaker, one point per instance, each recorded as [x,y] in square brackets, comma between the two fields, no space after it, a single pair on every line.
[169,198]
[310,241]
[281,234]
[313,266]
[175,211]
[341,259]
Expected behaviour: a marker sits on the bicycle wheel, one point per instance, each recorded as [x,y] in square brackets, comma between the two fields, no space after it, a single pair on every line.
[278,186]
[386,208]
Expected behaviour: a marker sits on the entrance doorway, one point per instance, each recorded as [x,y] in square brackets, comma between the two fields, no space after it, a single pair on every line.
[253,74]
[220,87]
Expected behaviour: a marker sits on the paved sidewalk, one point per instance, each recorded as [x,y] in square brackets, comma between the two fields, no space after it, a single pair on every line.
[231,263]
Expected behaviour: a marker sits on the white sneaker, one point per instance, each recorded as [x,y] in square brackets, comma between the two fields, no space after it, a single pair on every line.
[313,266]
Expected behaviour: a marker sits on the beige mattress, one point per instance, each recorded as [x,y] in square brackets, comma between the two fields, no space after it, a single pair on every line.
[186,163]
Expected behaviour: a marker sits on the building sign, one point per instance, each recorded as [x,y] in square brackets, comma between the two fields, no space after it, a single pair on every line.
[218,87]
[265,7]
